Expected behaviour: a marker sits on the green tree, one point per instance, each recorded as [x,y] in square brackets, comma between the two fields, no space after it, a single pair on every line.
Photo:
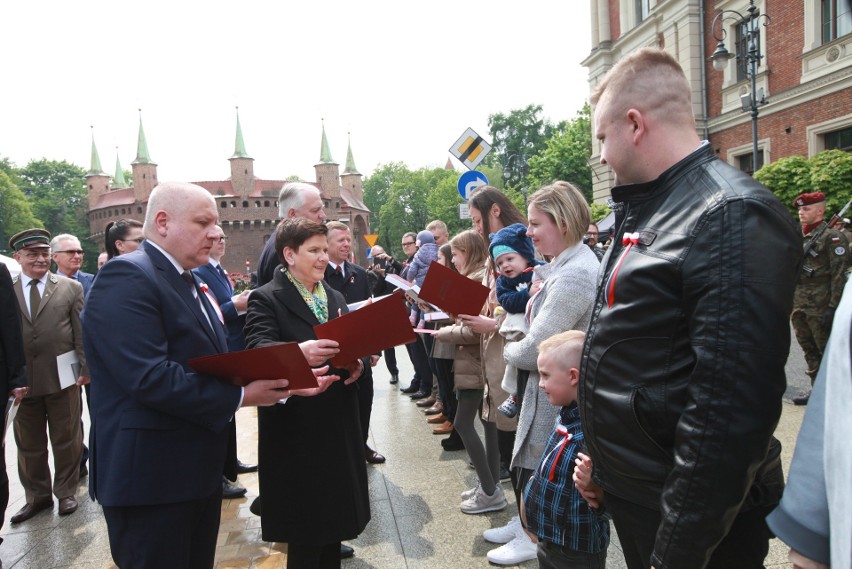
[566,156]
[404,209]
[829,172]
[599,211]
[15,211]
[58,196]
[517,136]
[787,178]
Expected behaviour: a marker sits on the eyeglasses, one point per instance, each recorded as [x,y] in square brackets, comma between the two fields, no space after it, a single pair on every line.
[137,240]
[42,255]
[222,239]
[404,244]
[72,251]
[592,234]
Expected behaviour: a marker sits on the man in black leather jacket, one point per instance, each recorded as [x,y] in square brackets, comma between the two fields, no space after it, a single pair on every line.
[683,367]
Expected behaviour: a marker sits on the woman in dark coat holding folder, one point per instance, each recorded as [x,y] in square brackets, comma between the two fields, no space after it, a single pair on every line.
[313,478]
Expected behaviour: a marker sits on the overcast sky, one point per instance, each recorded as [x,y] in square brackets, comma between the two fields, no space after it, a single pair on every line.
[404,78]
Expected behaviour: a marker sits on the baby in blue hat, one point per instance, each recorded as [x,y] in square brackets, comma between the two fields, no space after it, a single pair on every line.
[514,257]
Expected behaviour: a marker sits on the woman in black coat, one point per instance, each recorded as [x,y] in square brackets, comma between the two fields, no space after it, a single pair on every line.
[313,477]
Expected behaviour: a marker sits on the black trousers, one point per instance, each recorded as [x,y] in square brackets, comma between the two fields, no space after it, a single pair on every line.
[230,470]
[446,386]
[365,401]
[301,556]
[745,546]
[420,361]
[4,487]
[179,536]
[390,361]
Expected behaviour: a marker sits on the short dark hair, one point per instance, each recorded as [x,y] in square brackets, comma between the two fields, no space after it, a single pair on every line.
[293,232]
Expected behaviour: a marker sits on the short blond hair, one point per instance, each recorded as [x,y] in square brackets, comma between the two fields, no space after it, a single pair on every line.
[567,207]
[566,347]
[650,80]
[437,225]
[338,225]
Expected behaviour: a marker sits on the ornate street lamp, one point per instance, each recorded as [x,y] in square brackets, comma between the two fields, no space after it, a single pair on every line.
[750,25]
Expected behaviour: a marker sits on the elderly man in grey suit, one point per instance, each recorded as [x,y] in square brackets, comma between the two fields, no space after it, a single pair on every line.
[50,315]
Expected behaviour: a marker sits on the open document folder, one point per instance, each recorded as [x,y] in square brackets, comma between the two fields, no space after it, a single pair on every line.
[280,361]
[452,292]
[369,330]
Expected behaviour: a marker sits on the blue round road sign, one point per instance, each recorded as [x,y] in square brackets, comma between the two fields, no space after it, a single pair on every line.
[469,181]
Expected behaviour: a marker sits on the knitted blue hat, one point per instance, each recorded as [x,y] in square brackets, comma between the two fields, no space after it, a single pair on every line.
[513,237]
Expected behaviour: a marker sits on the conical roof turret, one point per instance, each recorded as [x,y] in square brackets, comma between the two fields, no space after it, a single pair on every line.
[119,182]
[95,166]
[142,155]
[350,161]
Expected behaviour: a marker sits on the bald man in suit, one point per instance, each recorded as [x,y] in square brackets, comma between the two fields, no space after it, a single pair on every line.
[153,417]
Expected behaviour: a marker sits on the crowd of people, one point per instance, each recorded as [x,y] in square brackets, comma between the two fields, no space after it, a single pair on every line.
[637,382]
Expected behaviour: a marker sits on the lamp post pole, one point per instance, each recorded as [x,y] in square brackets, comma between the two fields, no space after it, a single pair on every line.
[517,162]
[750,24]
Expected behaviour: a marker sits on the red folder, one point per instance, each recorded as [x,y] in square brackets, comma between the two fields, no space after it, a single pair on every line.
[369,330]
[453,292]
[270,362]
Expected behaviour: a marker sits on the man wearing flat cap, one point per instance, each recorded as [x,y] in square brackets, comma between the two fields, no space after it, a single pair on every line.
[50,315]
[820,282]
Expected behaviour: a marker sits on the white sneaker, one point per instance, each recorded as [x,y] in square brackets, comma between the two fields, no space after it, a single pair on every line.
[506,533]
[481,502]
[468,494]
[516,551]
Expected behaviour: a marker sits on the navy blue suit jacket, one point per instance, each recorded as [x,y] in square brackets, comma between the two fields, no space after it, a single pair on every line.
[159,430]
[222,291]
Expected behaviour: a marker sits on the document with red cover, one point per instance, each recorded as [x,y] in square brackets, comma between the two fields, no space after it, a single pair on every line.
[281,361]
[369,330]
[452,292]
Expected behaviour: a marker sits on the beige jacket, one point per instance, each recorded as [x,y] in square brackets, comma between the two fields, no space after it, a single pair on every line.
[54,330]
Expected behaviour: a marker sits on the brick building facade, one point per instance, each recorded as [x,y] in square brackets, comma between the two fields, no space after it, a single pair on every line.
[805,76]
[248,206]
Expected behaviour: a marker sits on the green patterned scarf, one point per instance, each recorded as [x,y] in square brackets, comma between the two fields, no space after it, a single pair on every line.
[317,301]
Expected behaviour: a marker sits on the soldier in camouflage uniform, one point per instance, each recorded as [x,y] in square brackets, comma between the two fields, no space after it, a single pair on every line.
[821,282]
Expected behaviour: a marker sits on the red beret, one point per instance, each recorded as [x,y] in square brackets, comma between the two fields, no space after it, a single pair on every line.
[808,199]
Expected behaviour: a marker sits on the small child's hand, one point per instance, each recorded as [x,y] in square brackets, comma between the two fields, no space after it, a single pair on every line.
[535,286]
[591,492]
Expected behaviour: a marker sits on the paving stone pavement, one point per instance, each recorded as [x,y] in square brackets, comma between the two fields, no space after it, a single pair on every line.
[416,522]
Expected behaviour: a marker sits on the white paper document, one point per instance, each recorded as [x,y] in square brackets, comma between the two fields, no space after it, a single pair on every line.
[11,411]
[68,365]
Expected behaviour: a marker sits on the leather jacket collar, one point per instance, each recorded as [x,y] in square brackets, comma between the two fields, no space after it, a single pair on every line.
[664,183]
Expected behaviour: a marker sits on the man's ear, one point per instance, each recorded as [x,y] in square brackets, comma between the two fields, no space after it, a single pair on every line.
[574,376]
[637,124]
[161,222]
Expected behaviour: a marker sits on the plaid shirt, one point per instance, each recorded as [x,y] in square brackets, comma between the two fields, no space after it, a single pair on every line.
[555,510]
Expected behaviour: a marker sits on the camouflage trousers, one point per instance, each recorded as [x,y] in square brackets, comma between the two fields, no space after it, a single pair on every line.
[812,337]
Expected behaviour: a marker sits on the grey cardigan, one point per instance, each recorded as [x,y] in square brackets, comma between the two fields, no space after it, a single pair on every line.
[564,303]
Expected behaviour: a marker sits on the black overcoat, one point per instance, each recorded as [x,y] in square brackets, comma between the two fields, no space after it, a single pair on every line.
[313,477]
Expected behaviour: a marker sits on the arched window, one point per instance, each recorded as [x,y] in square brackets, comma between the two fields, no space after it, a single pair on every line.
[257,203]
[224,204]
[233,204]
[245,203]
[265,203]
